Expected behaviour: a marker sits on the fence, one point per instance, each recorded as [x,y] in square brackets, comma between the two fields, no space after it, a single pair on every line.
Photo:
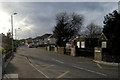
[85,52]
[5,58]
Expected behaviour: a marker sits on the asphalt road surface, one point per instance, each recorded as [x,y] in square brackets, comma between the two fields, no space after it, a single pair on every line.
[37,63]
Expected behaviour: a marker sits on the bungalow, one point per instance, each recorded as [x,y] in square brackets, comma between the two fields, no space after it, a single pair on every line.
[87,45]
[50,40]
[102,41]
[39,40]
[28,41]
[78,41]
[99,40]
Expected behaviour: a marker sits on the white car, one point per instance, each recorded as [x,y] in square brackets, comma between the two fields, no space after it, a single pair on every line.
[30,46]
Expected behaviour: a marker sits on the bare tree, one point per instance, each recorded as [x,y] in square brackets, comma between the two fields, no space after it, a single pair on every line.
[67,25]
[93,29]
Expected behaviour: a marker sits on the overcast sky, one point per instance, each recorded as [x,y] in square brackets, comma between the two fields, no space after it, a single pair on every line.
[38,18]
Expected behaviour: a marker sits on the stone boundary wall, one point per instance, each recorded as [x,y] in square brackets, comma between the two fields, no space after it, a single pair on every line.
[61,50]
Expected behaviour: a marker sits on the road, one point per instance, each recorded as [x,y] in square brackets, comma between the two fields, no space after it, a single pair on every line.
[37,63]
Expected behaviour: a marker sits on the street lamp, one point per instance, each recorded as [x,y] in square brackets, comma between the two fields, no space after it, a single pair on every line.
[12,29]
[16,33]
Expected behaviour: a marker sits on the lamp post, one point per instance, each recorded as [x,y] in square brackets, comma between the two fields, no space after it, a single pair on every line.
[12,29]
[16,33]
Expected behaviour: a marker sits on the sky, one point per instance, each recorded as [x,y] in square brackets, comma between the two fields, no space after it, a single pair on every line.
[38,18]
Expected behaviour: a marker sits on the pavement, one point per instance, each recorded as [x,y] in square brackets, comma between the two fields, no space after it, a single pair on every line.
[20,65]
[4,65]
[37,63]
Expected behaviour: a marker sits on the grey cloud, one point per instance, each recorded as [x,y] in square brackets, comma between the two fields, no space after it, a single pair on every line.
[59,0]
[41,15]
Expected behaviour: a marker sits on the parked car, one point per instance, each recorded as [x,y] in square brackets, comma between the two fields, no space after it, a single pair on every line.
[36,45]
[30,46]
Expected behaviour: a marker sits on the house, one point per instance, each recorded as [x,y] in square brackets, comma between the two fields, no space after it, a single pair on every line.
[0,41]
[77,40]
[39,40]
[85,46]
[99,40]
[50,40]
[22,41]
[102,41]
[45,38]
[28,41]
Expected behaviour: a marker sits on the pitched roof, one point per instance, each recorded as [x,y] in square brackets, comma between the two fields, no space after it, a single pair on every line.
[102,37]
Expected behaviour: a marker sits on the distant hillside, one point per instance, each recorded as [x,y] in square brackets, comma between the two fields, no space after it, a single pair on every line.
[43,36]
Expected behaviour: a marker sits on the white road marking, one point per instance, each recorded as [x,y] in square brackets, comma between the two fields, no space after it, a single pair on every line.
[63,74]
[90,71]
[59,61]
[48,67]
[37,69]
[99,65]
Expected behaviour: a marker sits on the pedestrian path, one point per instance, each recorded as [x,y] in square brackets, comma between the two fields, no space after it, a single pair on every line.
[19,66]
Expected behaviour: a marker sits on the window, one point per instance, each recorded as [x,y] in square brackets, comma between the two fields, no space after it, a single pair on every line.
[82,44]
[78,44]
[104,44]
